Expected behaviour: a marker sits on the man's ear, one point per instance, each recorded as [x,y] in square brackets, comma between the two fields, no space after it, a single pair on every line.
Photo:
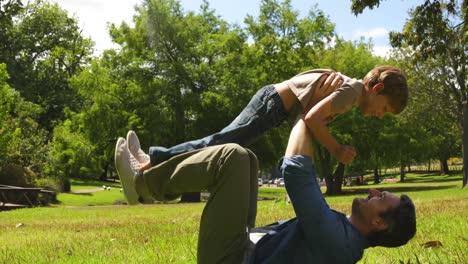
[379,224]
[378,87]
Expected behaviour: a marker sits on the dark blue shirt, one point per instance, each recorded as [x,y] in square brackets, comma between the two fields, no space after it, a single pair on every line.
[318,234]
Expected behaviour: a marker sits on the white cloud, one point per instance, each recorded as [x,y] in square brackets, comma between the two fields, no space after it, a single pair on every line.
[373,33]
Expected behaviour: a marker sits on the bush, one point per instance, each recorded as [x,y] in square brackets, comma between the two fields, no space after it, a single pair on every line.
[16,175]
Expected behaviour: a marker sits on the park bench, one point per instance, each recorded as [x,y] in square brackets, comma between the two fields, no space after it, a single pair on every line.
[12,197]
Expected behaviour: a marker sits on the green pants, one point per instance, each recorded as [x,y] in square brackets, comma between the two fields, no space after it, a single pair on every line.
[229,173]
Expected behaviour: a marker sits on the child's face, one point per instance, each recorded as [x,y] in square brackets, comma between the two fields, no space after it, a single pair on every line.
[375,105]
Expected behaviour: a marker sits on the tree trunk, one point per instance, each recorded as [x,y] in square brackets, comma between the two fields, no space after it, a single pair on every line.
[103,176]
[465,144]
[409,167]
[179,128]
[376,175]
[402,172]
[192,197]
[429,166]
[334,182]
[444,168]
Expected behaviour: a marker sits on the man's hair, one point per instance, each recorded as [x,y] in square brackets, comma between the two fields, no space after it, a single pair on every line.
[395,85]
[401,221]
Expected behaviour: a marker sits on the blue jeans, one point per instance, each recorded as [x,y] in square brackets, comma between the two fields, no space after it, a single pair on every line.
[264,111]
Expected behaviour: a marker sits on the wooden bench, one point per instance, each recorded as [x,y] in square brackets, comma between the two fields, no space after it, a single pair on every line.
[21,196]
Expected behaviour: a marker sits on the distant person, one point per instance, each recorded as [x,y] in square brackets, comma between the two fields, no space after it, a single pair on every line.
[327,93]
[317,234]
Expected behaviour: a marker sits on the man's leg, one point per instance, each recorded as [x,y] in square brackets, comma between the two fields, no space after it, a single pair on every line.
[229,173]
[263,112]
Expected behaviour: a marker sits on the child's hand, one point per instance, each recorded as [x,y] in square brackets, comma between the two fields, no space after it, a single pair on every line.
[345,154]
[327,84]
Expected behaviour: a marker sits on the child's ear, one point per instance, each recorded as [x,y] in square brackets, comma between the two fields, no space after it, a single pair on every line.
[378,87]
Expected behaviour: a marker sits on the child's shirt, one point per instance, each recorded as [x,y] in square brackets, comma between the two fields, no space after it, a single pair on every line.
[344,98]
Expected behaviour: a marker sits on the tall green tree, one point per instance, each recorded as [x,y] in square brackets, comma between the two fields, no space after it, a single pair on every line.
[428,109]
[9,10]
[45,49]
[5,108]
[437,31]
[22,141]
[172,80]
[284,44]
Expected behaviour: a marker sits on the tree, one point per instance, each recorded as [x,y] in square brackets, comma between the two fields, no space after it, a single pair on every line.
[70,155]
[444,26]
[9,9]
[22,141]
[45,49]
[284,44]
[428,110]
[6,101]
[436,31]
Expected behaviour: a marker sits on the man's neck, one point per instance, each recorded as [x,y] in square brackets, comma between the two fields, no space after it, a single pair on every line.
[361,227]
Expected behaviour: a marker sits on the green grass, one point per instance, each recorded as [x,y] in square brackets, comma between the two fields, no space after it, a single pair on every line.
[114,196]
[167,233]
[101,197]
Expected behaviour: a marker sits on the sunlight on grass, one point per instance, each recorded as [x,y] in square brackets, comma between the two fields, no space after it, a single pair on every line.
[167,233]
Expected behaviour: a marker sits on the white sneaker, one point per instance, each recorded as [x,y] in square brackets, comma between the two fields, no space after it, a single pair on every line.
[127,168]
[135,148]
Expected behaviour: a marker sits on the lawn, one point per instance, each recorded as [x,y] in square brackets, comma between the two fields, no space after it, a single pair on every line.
[72,232]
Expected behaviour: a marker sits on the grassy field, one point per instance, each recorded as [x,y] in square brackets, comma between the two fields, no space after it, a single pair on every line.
[75,232]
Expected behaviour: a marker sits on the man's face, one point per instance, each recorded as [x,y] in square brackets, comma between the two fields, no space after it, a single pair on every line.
[369,209]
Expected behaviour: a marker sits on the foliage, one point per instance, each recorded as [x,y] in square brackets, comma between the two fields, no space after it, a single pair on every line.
[441,54]
[22,141]
[5,107]
[358,6]
[70,155]
[179,75]
[45,48]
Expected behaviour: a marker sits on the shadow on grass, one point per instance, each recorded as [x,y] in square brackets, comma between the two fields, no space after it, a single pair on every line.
[432,179]
[396,189]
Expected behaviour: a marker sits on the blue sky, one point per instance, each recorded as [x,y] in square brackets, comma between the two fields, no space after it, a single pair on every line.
[391,15]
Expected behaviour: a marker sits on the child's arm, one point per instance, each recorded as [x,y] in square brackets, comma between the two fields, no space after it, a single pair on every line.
[316,120]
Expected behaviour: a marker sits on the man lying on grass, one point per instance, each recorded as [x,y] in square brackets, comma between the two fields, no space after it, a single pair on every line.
[317,234]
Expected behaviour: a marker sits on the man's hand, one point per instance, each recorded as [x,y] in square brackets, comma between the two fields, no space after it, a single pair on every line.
[326,85]
[344,154]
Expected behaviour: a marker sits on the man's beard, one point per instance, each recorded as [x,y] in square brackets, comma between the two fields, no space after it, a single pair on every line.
[356,208]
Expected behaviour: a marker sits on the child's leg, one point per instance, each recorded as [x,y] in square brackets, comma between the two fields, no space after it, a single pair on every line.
[229,173]
[264,111]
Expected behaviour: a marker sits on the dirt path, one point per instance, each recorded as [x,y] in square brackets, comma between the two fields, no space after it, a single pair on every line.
[93,190]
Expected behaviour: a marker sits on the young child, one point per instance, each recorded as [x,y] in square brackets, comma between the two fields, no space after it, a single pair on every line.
[383,90]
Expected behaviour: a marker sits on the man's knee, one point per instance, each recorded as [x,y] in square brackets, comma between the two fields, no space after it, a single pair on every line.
[233,153]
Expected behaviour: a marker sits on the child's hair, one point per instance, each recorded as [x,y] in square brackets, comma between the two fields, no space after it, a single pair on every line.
[395,85]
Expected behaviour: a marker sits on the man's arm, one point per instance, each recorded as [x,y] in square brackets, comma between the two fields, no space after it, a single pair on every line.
[300,140]
[320,225]
[316,120]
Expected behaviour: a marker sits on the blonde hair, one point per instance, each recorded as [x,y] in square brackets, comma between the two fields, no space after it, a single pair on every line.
[395,85]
